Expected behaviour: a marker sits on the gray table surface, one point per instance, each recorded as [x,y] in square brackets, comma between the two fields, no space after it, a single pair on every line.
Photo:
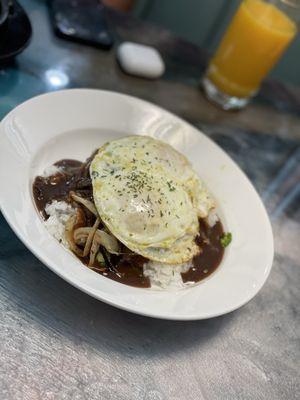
[58,343]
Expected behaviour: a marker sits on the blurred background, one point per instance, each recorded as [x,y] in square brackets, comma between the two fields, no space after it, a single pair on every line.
[203,22]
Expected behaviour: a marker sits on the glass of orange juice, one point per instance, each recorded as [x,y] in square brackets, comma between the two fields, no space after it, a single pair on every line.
[257,36]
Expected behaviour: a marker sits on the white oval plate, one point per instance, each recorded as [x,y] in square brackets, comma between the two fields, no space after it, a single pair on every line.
[71,124]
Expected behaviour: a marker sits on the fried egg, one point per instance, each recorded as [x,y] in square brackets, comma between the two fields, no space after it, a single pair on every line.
[149,197]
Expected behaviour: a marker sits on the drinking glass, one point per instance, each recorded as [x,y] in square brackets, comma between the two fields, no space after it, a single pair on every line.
[257,36]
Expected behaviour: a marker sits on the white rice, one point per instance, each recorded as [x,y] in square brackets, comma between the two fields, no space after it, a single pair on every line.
[162,276]
[51,170]
[212,217]
[165,276]
[59,212]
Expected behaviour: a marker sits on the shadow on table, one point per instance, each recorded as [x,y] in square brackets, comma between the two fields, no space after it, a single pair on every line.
[33,292]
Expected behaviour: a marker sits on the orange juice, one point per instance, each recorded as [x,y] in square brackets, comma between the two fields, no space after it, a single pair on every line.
[256,38]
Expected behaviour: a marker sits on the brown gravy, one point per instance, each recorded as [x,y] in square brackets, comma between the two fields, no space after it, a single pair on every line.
[128,267]
[74,175]
[207,261]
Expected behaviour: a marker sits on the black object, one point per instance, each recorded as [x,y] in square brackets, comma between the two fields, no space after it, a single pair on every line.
[15,30]
[81,21]
[4,11]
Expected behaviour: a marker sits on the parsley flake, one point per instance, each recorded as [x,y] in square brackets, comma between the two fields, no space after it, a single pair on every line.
[171,188]
[226,239]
